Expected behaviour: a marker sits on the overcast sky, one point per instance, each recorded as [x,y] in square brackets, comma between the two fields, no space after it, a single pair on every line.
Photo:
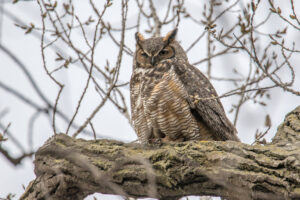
[108,122]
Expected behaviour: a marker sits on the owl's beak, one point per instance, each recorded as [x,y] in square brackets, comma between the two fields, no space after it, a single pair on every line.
[153,60]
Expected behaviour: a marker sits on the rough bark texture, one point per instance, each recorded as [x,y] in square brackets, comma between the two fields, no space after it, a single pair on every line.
[68,168]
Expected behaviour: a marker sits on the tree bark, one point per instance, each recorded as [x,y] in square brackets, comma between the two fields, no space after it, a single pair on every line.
[68,168]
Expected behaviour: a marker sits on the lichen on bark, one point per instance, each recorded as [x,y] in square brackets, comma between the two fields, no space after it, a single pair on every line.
[68,168]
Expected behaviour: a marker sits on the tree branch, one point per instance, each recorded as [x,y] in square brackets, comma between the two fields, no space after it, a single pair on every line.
[68,168]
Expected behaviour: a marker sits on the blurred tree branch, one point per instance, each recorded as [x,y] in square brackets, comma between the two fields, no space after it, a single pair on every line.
[68,168]
[14,161]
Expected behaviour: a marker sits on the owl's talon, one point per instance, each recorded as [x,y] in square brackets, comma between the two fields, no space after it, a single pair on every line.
[155,141]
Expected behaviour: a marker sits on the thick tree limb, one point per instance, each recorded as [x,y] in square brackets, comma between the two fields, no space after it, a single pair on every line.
[68,168]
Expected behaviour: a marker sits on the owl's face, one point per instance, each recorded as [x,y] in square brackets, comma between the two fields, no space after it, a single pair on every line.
[152,51]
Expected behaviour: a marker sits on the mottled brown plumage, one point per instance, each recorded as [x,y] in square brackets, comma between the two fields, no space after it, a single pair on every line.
[172,100]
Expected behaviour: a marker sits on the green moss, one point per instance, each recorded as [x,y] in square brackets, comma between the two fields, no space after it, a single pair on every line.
[296,190]
[59,161]
[102,164]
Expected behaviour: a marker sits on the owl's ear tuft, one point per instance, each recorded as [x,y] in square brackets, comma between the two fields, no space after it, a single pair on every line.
[139,38]
[170,37]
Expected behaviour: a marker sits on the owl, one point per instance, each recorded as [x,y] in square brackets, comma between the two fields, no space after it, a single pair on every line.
[171,100]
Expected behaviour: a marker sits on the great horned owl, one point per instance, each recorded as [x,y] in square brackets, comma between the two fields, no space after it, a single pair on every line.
[171,100]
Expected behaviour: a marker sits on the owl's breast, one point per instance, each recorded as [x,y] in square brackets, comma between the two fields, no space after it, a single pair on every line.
[162,91]
[168,110]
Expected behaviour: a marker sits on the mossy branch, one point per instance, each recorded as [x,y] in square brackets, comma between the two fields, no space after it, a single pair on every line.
[68,168]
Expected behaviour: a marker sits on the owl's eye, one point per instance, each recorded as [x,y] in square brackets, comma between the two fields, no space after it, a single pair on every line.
[144,55]
[163,52]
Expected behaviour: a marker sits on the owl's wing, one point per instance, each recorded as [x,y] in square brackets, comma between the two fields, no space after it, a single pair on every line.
[201,99]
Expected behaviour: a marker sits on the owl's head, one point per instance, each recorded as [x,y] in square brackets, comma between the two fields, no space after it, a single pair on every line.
[152,51]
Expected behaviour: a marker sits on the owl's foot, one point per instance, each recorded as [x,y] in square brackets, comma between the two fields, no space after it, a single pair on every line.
[155,141]
[164,140]
[167,139]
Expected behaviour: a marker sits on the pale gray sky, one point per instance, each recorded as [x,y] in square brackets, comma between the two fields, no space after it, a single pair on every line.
[108,122]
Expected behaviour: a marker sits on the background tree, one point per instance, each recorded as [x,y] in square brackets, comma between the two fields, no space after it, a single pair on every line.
[77,80]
